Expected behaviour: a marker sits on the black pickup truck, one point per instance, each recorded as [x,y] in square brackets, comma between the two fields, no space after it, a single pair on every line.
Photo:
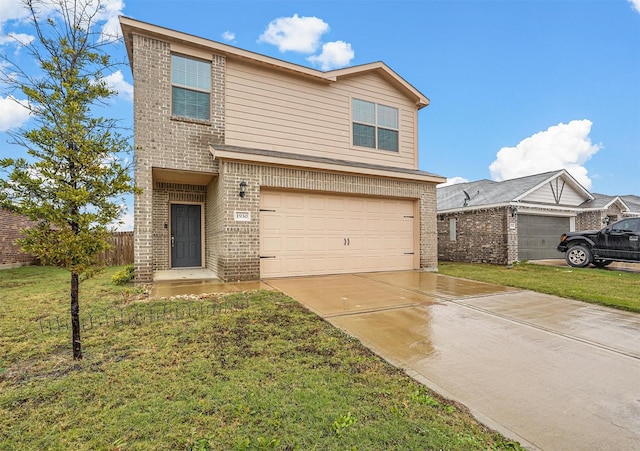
[617,242]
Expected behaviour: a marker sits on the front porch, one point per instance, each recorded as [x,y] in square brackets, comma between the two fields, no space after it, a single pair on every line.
[196,281]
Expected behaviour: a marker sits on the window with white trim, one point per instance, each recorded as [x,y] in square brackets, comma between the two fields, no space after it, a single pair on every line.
[374,125]
[190,88]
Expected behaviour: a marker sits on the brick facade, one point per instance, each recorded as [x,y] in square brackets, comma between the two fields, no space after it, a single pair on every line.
[597,219]
[163,141]
[231,248]
[482,236]
[10,230]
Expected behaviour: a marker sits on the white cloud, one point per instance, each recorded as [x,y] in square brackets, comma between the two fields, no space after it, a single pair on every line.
[106,11]
[453,181]
[228,36]
[109,12]
[124,223]
[16,38]
[334,54]
[13,113]
[562,146]
[12,10]
[117,82]
[298,34]
[635,4]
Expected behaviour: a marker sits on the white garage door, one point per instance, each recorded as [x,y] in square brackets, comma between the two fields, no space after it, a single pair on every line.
[311,233]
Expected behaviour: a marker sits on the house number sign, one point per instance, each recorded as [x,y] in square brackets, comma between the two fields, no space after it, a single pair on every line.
[242,215]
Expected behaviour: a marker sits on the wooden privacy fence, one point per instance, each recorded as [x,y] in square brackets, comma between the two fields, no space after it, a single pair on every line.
[121,252]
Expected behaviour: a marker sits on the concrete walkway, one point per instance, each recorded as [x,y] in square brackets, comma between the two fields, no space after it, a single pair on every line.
[552,373]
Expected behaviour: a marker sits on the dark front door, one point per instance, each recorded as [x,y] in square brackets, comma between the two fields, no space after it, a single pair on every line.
[186,235]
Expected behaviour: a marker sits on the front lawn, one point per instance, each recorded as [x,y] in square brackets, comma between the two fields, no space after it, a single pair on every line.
[266,374]
[608,287]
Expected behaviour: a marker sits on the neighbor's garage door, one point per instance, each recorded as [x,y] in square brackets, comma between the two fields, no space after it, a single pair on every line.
[538,236]
[311,233]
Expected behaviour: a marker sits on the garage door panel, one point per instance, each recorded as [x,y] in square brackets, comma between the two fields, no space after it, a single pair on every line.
[335,204]
[294,266]
[270,222]
[539,235]
[294,202]
[296,223]
[313,233]
[271,245]
[317,243]
[293,245]
[356,244]
[390,207]
[316,204]
[356,224]
[317,223]
[316,265]
[373,224]
[374,244]
[356,205]
[373,206]
[403,225]
[336,224]
[270,200]
[270,267]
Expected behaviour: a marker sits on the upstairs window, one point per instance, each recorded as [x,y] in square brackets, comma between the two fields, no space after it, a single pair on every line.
[190,88]
[375,125]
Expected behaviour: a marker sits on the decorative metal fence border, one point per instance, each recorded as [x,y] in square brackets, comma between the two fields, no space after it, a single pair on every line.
[143,313]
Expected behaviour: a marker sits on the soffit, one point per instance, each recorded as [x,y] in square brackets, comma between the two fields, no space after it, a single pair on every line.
[181,177]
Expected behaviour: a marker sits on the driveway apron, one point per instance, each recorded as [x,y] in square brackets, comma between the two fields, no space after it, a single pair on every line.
[552,373]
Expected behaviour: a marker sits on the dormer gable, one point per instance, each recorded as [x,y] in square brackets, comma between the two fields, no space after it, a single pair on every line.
[559,188]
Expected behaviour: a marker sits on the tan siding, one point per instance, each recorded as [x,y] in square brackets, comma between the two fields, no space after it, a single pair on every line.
[274,111]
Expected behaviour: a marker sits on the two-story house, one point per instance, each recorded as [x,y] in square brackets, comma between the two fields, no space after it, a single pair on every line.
[254,167]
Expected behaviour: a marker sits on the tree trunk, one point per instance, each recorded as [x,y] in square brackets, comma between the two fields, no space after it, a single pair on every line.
[75,317]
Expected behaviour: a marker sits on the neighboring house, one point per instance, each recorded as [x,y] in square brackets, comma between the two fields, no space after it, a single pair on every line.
[11,226]
[520,219]
[254,167]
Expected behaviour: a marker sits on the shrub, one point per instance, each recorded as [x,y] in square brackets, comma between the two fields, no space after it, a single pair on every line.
[125,275]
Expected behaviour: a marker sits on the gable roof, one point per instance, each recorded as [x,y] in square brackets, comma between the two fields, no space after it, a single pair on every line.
[484,193]
[633,202]
[131,26]
[387,73]
[630,203]
[602,201]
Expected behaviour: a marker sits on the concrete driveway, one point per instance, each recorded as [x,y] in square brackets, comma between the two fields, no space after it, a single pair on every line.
[551,373]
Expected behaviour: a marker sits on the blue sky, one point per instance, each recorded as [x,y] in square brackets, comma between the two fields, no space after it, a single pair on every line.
[516,87]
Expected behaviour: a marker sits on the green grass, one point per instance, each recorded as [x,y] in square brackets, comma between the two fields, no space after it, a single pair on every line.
[268,376]
[608,287]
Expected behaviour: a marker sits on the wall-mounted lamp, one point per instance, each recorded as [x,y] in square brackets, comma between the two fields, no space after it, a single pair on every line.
[243,186]
[514,211]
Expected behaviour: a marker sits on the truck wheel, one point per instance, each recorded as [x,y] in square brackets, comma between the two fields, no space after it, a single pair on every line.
[578,256]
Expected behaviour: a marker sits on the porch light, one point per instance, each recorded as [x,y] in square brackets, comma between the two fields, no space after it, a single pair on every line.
[243,186]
